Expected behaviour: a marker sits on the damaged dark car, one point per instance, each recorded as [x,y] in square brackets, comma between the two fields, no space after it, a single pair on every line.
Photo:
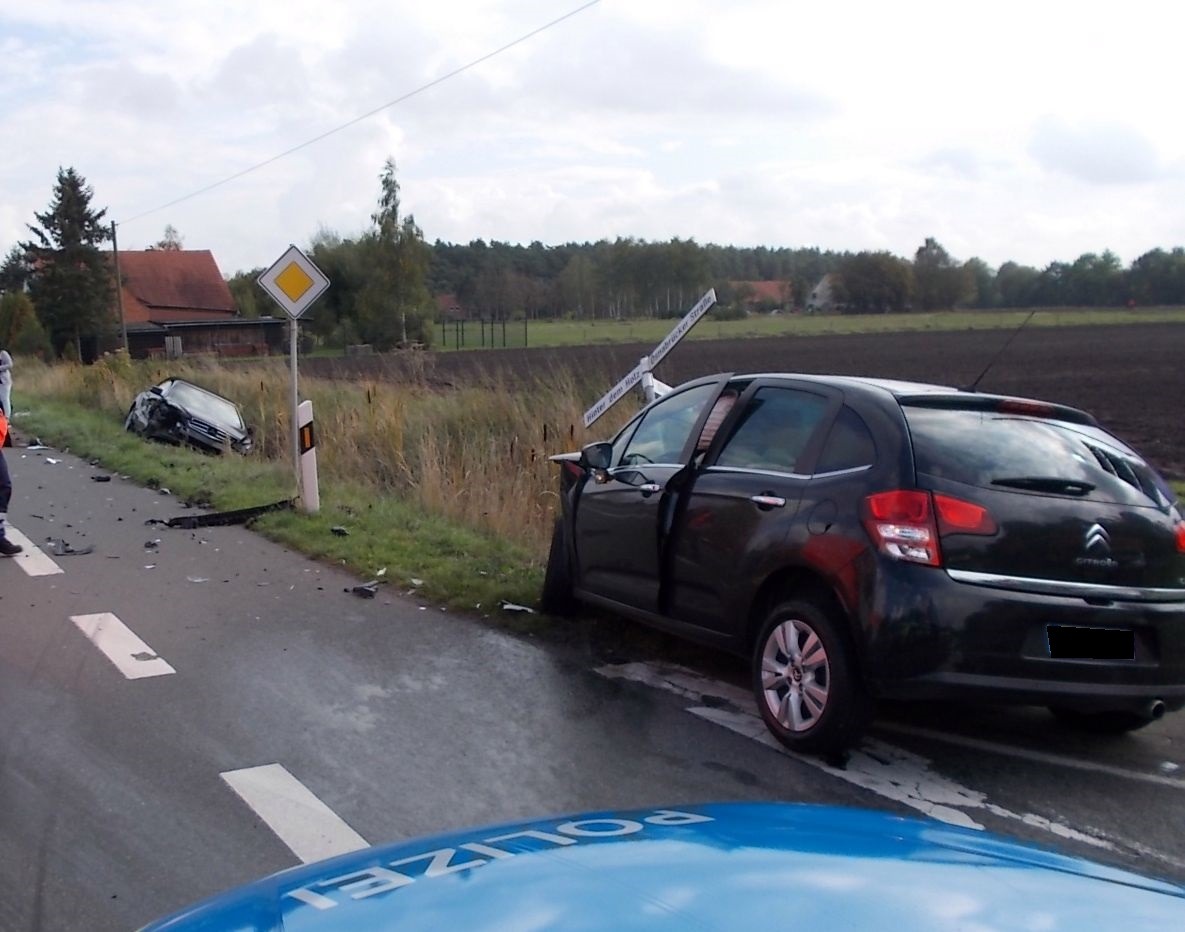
[179,412]
[863,538]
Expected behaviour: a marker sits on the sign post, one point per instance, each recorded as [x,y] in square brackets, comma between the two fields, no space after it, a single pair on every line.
[643,371]
[294,282]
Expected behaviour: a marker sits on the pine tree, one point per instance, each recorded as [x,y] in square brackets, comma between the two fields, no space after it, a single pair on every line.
[71,278]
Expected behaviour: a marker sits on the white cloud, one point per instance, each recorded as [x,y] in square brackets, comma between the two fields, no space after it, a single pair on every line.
[1026,131]
[1097,153]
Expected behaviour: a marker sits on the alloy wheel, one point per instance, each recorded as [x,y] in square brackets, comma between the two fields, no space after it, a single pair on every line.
[795,675]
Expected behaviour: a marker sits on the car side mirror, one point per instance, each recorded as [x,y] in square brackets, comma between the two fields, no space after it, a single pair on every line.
[597,456]
[157,390]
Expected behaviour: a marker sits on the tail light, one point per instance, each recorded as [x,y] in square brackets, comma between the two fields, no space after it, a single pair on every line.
[902,525]
[1181,537]
[956,516]
[906,523]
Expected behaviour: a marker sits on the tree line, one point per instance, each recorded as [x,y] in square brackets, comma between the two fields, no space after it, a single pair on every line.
[58,290]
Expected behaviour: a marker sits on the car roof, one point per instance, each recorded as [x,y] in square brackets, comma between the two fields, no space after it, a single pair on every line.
[931,394]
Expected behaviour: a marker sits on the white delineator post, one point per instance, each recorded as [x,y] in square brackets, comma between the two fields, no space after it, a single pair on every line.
[310,492]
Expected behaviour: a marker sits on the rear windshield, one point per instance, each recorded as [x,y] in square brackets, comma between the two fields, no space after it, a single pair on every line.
[1006,452]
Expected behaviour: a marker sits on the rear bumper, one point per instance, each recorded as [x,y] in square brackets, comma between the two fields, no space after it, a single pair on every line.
[929,636]
[1088,696]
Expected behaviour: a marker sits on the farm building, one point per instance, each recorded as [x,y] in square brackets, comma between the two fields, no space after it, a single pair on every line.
[176,302]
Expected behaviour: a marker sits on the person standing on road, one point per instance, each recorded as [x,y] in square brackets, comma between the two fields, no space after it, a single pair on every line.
[5,383]
[7,547]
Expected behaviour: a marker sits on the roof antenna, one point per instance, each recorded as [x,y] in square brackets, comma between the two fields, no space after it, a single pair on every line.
[1000,352]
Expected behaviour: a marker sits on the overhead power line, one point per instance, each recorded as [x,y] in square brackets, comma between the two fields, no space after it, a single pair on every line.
[365,116]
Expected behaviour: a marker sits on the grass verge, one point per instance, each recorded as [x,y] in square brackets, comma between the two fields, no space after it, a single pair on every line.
[445,563]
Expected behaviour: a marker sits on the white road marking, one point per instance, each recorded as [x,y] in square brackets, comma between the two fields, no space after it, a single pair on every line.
[889,771]
[119,643]
[305,824]
[902,776]
[1040,757]
[33,561]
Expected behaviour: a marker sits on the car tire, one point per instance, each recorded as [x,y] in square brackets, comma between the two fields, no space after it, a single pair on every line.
[1112,722]
[805,679]
[557,597]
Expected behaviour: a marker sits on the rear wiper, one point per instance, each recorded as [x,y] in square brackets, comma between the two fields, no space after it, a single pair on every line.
[1047,484]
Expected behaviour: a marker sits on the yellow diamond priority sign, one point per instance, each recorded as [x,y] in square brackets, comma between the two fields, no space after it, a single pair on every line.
[294,282]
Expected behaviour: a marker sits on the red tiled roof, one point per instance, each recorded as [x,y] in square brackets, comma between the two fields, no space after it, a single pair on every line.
[770,290]
[173,285]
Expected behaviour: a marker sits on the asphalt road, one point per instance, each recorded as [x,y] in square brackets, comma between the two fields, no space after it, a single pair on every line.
[124,796]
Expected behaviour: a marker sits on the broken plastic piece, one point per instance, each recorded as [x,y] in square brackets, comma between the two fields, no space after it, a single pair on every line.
[512,607]
[100,478]
[416,582]
[220,518]
[59,548]
[339,531]
[152,545]
[52,461]
[365,590]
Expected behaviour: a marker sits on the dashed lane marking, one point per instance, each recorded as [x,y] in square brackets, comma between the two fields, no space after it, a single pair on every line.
[119,644]
[305,824]
[33,561]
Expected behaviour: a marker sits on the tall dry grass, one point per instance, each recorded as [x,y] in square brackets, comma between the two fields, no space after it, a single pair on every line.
[474,454]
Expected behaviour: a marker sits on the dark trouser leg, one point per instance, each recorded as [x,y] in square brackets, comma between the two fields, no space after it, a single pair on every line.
[5,493]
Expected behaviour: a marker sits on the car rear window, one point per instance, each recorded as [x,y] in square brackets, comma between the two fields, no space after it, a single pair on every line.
[1002,451]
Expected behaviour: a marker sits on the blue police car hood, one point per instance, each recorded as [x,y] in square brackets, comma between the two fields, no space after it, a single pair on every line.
[719,866]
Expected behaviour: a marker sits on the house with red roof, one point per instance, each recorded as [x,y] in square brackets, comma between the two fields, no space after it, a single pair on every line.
[768,295]
[176,302]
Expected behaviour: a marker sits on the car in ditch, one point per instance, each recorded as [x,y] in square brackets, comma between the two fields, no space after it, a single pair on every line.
[713,867]
[177,411]
[860,538]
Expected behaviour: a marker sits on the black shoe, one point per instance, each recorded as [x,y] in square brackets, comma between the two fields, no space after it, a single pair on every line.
[8,548]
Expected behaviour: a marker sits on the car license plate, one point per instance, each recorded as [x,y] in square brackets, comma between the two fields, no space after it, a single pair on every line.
[1067,642]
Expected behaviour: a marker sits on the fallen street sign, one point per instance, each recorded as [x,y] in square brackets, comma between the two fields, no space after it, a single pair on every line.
[689,320]
[648,363]
[294,282]
[614,394]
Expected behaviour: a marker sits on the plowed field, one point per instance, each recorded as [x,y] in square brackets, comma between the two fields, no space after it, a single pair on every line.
[1131,378]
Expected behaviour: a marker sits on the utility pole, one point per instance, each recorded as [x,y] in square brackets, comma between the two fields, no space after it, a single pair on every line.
[123,327]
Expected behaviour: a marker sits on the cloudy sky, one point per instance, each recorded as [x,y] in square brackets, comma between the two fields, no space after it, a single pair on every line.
[1031,131]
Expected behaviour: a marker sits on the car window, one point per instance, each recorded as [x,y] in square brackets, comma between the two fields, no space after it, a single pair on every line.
[774,430]
[664,430]
[992,450]
[204,404]
[849,444]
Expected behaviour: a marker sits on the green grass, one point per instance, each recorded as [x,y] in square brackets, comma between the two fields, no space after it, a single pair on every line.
[457,567]
[578,333]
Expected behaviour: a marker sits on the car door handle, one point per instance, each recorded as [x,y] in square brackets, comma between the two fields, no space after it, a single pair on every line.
[768,501]
[649,488]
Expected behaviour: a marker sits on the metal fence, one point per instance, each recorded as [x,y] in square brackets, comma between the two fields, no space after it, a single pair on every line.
[476,333]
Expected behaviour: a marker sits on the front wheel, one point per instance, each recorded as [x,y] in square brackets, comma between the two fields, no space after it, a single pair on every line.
[805,679]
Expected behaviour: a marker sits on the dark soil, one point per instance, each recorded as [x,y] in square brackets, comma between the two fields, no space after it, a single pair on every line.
[1132,378]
